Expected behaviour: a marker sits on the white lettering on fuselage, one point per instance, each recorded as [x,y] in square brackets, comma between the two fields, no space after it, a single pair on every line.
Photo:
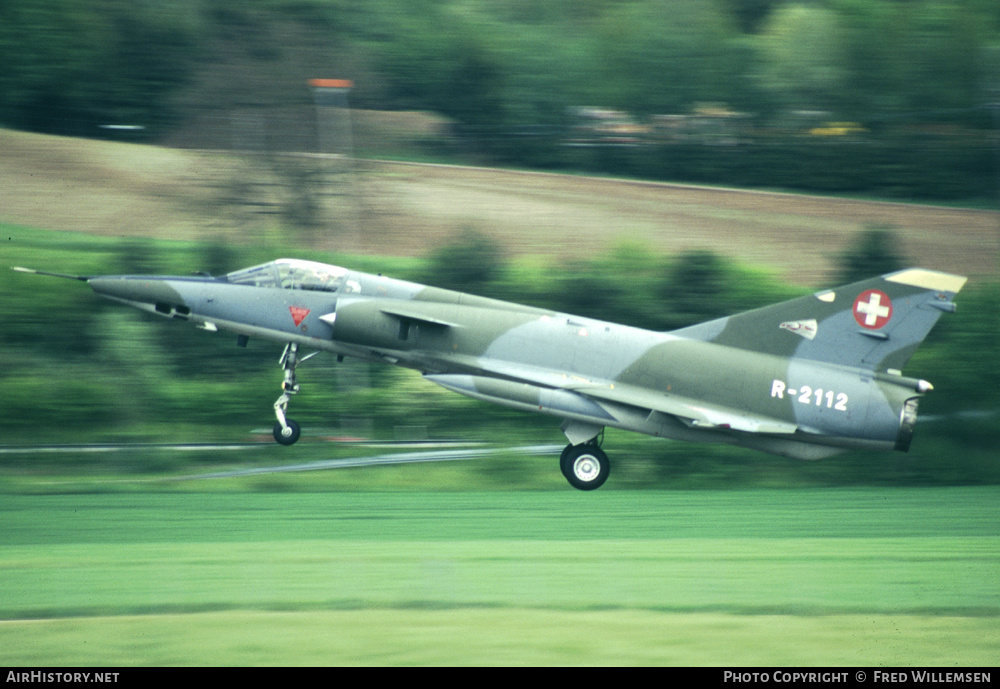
[806,394]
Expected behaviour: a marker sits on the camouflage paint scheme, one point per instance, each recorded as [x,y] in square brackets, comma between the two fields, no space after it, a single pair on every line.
[805,378]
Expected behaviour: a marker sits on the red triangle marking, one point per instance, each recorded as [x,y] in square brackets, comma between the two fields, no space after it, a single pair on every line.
[298,314]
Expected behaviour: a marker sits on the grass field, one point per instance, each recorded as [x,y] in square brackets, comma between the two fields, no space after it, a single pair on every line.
[815,577]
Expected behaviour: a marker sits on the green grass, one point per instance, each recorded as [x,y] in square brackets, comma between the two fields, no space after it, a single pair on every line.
[500,637]
[823,577]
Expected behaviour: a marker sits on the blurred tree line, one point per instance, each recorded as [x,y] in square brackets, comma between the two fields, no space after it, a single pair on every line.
[919,77]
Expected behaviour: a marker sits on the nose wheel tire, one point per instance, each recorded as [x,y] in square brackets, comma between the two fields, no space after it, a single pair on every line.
[586,467]
[287,435]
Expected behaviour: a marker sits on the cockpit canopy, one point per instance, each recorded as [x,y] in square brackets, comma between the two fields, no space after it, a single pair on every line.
[291,273]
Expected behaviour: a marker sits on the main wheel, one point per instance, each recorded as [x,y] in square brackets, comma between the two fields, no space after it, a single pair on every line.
[287,436]
[586,467]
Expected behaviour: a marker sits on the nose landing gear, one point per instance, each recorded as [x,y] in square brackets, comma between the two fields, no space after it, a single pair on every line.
[287,431]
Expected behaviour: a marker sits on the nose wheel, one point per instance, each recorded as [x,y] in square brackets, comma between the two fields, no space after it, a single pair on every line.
[287,434]
[287,431]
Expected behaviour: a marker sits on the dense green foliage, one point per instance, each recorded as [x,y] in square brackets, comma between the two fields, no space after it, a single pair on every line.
[72,66]
[916,79]
[80,369]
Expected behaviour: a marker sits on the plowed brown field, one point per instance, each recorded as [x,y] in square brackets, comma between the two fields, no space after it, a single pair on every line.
[404,209]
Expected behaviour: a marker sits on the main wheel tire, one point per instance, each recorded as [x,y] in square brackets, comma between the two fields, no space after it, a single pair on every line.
[586,467]
[287,436]
[563,463]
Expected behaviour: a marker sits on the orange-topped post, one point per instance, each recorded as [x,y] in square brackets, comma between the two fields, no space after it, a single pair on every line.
[335,138]
[333,114]
[331,83]
[331,92]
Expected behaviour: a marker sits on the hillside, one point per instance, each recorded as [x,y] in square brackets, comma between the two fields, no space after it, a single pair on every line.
[405,209]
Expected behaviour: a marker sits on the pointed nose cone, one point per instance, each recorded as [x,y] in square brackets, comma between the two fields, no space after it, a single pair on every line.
[136,289]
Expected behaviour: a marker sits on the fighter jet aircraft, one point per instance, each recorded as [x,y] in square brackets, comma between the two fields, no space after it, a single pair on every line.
[805,378]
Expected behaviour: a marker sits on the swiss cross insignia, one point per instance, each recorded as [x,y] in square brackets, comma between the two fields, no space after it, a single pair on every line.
[872,309]
[298,314]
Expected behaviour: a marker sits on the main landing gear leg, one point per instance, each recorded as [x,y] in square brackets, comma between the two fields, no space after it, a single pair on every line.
[287,431]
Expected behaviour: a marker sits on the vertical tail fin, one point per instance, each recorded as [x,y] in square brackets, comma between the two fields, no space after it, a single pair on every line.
[874,324]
